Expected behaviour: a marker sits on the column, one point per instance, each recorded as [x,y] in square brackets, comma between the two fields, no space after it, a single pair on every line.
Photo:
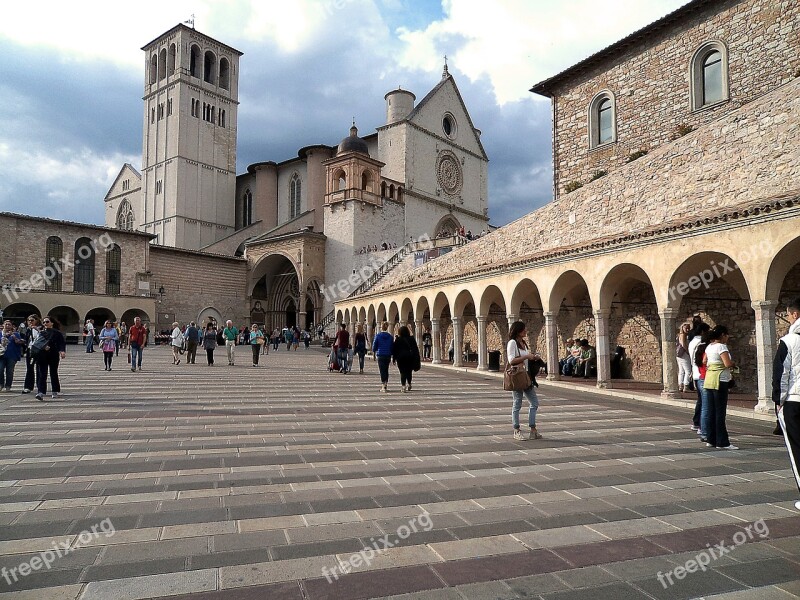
[766,346]
[603,348]
[482,348]
[551,329]
[458,344]
[418,331]
[437,343]
[669,366]
[511,320]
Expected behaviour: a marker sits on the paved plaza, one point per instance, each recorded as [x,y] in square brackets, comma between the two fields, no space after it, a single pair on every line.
[287,482]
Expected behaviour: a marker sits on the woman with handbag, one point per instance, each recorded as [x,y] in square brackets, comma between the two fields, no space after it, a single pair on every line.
[518,382]
[256,341]
[108,340]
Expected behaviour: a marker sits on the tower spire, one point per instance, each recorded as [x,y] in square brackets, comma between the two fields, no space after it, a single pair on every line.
[445,72]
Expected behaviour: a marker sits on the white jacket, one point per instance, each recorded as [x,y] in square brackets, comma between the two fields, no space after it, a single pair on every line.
[790,379]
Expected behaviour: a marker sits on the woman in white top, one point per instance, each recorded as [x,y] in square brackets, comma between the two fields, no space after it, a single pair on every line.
[683,358]
[718,377]
[517,354]
[176,343]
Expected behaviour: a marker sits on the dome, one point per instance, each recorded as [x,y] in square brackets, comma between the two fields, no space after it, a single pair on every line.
[353,143]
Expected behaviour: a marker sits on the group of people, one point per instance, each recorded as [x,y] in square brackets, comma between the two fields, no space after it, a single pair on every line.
[40,343]
[581,359]
[376,248]
[93,338]
[401,350]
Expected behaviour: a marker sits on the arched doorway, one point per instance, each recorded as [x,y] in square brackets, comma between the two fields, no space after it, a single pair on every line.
[68,317]
[275,283]
[19,311]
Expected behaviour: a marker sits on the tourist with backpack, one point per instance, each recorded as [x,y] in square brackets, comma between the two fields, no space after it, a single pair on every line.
[405,353]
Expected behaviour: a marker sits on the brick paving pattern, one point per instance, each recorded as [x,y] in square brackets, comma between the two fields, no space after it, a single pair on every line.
[242,483]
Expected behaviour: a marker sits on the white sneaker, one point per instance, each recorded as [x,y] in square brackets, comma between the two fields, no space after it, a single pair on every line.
[519,436]
[384,389]
[797,505]
[730,447]
[709,445]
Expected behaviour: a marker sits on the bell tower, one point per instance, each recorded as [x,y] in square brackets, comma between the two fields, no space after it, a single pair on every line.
[191,99]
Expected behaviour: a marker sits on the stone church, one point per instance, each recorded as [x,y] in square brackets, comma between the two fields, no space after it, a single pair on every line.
[303,224]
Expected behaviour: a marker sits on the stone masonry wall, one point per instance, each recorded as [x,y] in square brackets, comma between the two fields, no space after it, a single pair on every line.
[720,165]
[651,82]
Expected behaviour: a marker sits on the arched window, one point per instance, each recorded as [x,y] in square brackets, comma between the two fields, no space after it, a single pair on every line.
[162,63]
[209,67]
[84,266]
[399,193]
[171,60]
[222,118]
[391,191]
[54,254]
[366,181]
[224,74]
[194,62]
[294,196]
[113,270]
[153,69]
[383,189]
[341,181]
[247,208]
[125,216]
[709,75]
[602,119]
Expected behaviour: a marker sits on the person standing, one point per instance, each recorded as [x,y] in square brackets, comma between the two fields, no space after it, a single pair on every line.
[699,337]
[176,341]
[382,346]
[123,334]
[229,334]
[31,333]
[786,388]
[405,353]
[296,338]
[89,331]
[209,343]
[137,339]
[683,358]
[108,343]
[427,343]
[256,340]
[719,365]
[517,354]
[276,339]
[192,340]
[342,345]
[360,347]
[288,336]
[11,348]
[48,359]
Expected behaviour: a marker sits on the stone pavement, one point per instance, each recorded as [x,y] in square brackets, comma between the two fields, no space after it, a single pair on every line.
[243,483]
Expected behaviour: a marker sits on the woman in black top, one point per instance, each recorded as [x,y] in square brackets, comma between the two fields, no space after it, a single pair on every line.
[34,324]
[405,353]
[48,358]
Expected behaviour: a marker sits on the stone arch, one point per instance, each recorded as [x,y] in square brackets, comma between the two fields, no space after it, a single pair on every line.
[407,314]
[462,301]
[440,303]
[17,312]
[371,316]
[100,314]
[492,295]
[362,315]
[275,281]
[525,291]
[68,317]
[339,318]
[784,262]
[382,315]
[701,271]
[394,314]
[448,225]
[209,315]
[422,308]
[570,301]
[129,315]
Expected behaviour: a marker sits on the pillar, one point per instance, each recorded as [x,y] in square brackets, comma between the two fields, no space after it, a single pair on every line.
[603,348]
[551,329]
[437,343]
[766,346]
[482,347]
[458,343]
[669,366]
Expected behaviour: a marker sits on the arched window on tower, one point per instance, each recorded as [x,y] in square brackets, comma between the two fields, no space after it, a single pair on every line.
[391,191]
[54,253]
[341,181]
[162,63]
[113,270]
[194,62]
[209,67]
[366,181]
[602,119]
[222,118]
[171,60]
[84,266]
[153,69]
[247,208]
[125,216]
[383,189]
[224,74]
[709,75]
[294,196]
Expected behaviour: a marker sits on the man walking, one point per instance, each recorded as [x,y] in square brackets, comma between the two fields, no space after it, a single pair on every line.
[786,388]
[137,338]
[229,334]
[427,342]
[88,329]
[192,339]
[342,347]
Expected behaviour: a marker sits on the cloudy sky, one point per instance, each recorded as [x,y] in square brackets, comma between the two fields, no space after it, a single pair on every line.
[72,87]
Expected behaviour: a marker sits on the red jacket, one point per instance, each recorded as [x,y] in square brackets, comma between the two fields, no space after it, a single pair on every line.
[137,335]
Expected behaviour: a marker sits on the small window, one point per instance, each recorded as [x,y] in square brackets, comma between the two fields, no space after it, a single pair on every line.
[194,62]
[294,196]
[113,270]
[53,266]
[602,120]
[162,63]
[224,74]
[153,69]
[449,125]
[171,60]
[125,216]
[247,209]
[152,115]
[209,67]
[159,186]
[709,75]
[84,266]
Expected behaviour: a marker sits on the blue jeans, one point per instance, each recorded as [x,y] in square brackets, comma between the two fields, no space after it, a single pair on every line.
[90,343]
[701,407]
[342,356]
[136,356]
[717,401]
[383,367]
[6,372]
[533,400]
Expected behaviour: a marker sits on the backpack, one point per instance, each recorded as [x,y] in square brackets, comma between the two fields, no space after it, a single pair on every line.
[680,351]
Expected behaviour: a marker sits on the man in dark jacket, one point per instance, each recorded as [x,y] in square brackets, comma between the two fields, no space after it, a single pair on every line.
[342,346]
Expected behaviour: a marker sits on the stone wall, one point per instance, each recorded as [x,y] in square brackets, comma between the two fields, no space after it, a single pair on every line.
[651,82]
[635,325]
[194,281]
[716,167]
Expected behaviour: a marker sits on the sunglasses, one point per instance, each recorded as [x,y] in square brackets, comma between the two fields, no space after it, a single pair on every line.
[47,322]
